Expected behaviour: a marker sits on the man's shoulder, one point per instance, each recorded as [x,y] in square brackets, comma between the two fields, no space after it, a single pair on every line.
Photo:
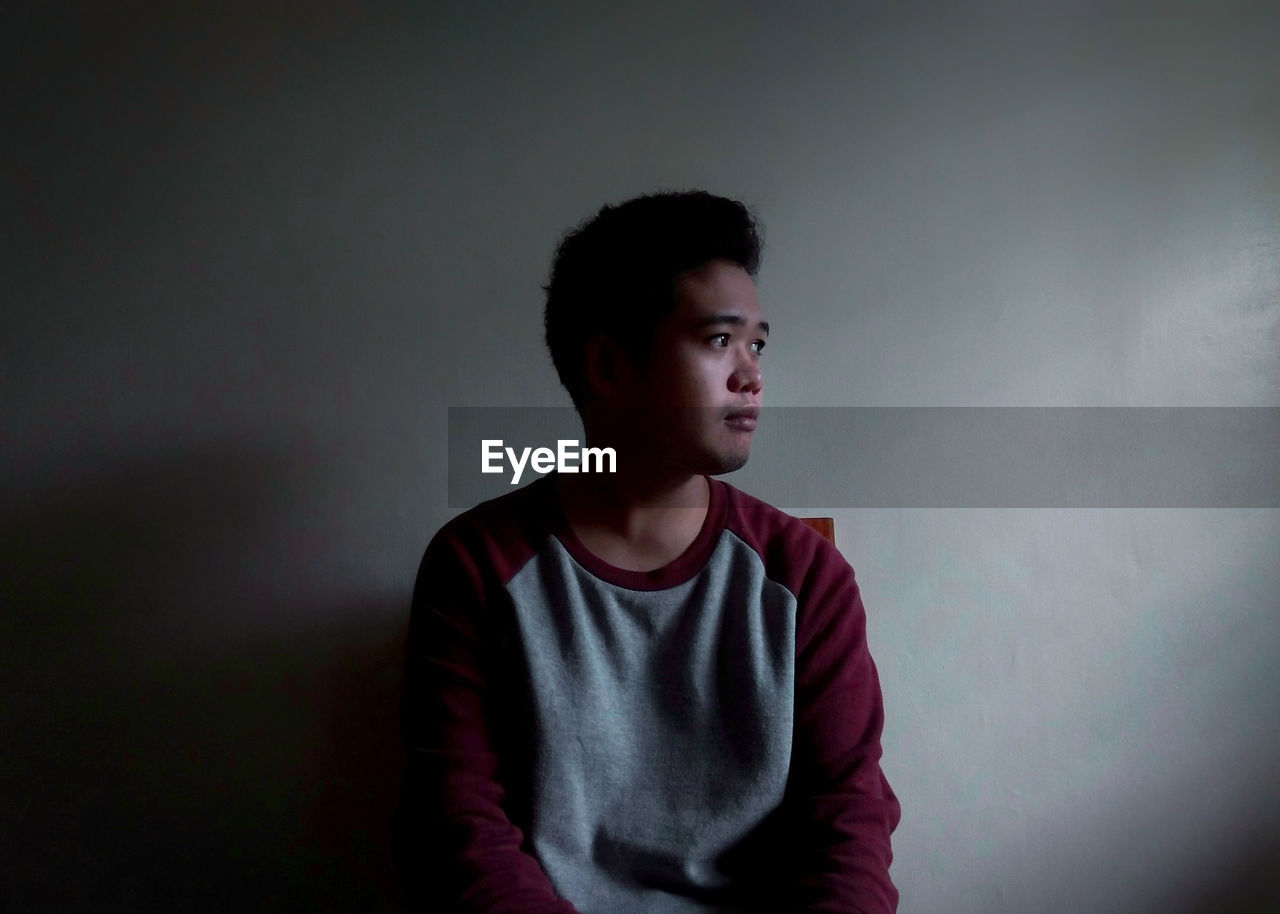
[500,534]
[518,507]
[790,549]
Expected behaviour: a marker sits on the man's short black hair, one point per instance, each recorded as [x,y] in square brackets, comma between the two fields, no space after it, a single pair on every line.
[616,272]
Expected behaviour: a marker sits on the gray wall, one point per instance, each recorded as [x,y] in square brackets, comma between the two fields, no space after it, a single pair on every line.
[251,258]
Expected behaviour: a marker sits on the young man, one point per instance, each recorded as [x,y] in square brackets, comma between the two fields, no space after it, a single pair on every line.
[645,691]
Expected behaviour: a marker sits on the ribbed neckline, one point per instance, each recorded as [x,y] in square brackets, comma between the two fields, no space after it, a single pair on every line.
[674,573]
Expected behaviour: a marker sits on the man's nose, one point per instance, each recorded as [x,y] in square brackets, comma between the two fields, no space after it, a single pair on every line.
[746,379]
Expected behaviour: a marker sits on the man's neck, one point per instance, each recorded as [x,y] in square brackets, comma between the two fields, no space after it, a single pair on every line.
[636,523]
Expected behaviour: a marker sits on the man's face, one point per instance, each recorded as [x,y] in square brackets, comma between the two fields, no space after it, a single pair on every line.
[703,371]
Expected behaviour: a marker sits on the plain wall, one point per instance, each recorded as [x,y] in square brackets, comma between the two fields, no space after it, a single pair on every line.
[252,255]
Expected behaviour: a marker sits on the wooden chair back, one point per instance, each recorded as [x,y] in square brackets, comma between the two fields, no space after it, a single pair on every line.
[824,525]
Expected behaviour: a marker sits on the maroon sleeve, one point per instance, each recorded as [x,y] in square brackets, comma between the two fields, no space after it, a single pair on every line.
[838,799]
[457,849]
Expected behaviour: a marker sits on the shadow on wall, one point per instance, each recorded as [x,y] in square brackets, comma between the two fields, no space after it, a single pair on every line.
[182,732]
[1251,887]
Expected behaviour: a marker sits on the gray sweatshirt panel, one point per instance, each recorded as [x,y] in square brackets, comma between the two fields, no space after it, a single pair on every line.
[663,724]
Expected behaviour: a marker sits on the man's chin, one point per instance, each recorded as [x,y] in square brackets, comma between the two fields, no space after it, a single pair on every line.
[727,463]
[704,461]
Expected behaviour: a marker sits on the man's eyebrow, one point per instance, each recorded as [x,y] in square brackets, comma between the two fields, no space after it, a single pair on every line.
[733,319]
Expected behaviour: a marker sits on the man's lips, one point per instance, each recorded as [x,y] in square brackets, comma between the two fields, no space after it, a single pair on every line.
[743,420]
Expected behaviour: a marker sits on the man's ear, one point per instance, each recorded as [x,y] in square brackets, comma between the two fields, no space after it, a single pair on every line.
[608,367]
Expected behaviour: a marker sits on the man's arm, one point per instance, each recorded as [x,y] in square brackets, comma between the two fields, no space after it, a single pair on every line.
[458,851]
[839,804]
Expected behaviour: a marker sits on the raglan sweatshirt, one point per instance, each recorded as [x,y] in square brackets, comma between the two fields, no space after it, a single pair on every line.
[701,737]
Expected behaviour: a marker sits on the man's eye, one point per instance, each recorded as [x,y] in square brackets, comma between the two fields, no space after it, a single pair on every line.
[758,346]
[719,340]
